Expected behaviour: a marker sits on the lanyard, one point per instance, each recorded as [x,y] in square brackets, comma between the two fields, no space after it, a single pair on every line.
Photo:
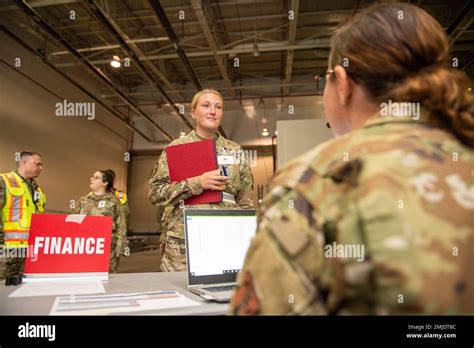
[32,191]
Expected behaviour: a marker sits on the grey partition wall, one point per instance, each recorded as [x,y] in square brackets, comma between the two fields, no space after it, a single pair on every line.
[295,137]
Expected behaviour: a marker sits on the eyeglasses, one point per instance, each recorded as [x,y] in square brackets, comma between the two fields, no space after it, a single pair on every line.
[321,78]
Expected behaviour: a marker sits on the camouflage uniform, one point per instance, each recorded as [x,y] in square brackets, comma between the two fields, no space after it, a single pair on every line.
[108,205]
[162,215]
[399,188]
[163,193]
[14,265]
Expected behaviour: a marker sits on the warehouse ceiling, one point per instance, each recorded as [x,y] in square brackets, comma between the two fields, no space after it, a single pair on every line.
[255,52]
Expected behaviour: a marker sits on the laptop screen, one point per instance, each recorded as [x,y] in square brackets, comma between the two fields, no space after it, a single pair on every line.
[216,243]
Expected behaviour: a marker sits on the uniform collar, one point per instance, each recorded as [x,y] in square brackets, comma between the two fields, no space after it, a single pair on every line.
[194,136]
[30,182]
[377,119]
[98,198]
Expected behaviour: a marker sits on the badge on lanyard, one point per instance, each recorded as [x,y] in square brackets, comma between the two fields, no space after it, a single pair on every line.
[101,204]
[36,196]
[225,160]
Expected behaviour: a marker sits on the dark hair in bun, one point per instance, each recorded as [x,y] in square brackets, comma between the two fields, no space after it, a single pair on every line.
[108,176]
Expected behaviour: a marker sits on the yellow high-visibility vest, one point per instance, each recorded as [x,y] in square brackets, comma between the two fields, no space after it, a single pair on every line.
[18,208]
[122,196]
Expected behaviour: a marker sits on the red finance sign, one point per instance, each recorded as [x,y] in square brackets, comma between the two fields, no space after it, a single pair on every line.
[68,244]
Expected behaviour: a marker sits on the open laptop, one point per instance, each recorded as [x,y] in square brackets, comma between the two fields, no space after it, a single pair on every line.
[216,245]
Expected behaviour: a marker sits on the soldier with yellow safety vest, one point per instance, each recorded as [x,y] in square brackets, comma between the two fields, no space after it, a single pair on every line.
[20,198]
[121,196]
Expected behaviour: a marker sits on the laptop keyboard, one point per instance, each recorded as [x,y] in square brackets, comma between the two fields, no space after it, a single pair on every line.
[221,288]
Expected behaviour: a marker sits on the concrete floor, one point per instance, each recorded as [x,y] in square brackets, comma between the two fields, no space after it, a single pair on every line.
[142,261]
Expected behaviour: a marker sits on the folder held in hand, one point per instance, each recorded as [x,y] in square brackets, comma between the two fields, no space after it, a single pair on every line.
[190,160]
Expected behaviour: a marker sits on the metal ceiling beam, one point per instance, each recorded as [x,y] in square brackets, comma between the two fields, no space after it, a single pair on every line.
[176,8]
[185,41]
[295,6]
[83,61]
[85,22]
[243,49]
[159,27]
[462,21]
[198,9]
[132,50]
[70,80]
[38,4]
[243,87]
[110,47]
[418,3]
[160,13]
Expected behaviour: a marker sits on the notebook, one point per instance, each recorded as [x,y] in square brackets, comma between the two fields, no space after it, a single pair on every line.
[216,245]
[190,160]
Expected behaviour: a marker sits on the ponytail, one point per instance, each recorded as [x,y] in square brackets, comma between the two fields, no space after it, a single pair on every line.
[108,176]
[444,94]
[403,61]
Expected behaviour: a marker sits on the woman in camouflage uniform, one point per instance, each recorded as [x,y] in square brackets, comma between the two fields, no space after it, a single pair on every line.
[378,220]
[103,202]
[207,111]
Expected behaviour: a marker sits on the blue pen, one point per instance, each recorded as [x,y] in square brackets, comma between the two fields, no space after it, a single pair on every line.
[224,171]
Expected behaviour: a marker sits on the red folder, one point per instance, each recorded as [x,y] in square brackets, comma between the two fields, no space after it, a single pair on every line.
[190,160]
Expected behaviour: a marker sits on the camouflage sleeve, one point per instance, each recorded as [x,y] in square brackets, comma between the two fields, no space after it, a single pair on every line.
[283,261]
[77,207]
[244,197]
[163,235]
[126,209]
[121,226]
[162,192]
[159,218]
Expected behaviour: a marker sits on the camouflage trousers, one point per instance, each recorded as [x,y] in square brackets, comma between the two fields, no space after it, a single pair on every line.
[114,258]
[12,262]
[174,256]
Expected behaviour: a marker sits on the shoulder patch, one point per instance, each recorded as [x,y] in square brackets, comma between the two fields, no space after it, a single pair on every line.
[307,175]
[347,172]
[245,300]
[292,241]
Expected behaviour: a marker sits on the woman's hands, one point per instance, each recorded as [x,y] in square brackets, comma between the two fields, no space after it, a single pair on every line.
[213,180]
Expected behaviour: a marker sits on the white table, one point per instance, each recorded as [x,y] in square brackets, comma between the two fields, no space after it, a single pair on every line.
[118,283]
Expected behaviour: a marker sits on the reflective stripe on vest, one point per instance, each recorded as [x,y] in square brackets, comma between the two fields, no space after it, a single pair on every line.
[17,210]
[122,197]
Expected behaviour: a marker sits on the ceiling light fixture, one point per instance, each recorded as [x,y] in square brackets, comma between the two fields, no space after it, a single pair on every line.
[183,134]
[255,52]
[115,62]
[265,132]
